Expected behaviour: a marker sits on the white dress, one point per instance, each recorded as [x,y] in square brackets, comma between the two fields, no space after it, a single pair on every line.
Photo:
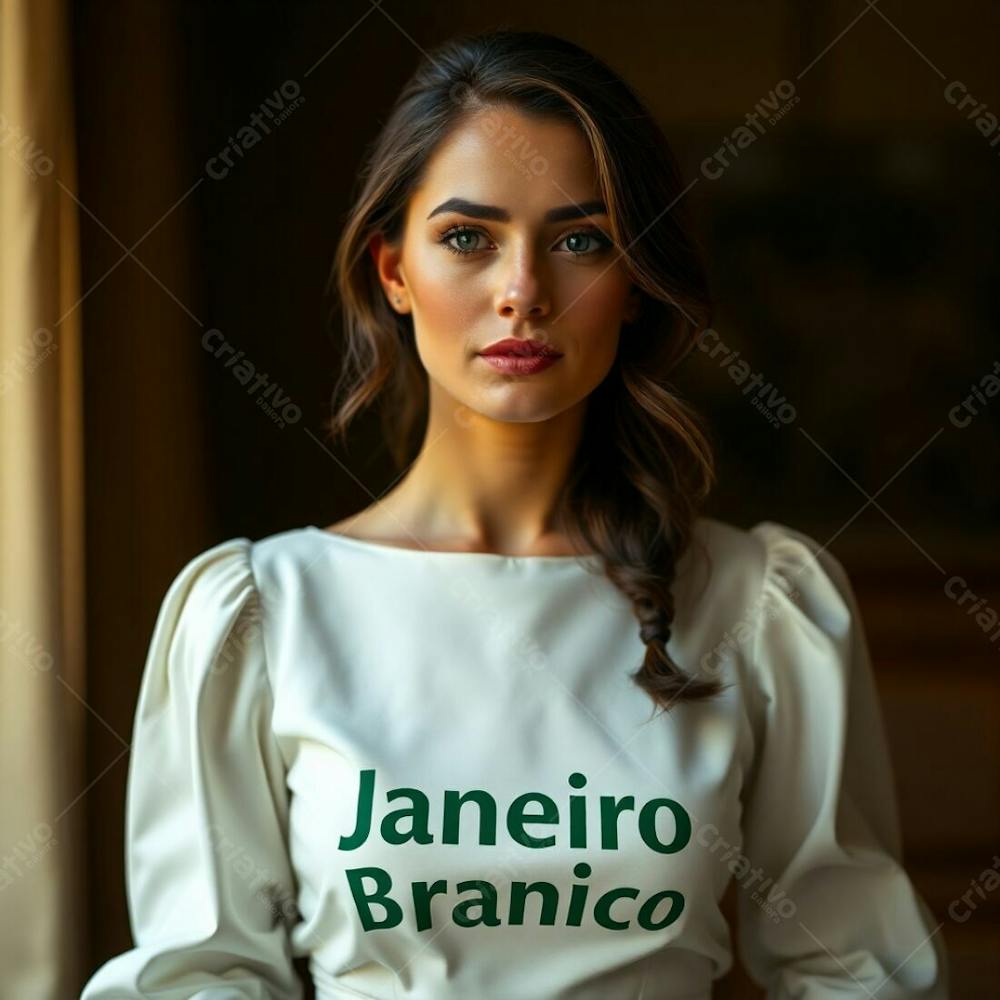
[431,773]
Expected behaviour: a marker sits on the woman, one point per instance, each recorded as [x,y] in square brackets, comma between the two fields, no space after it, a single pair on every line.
[512,730]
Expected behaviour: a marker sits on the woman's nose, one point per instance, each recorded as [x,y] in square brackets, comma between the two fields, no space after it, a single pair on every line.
[523,290]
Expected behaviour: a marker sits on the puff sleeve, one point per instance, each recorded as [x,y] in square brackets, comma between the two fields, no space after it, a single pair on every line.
[835,914]
[210,889]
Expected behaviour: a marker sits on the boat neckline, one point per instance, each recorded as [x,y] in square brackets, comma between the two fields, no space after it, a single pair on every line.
[591,558]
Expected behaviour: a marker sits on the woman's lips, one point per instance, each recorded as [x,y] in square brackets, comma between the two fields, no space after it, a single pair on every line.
[514,356]
[520,364]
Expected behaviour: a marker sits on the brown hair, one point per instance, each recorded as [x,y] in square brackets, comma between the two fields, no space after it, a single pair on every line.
[644,466]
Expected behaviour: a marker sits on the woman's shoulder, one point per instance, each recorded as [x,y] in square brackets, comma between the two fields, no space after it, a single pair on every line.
[763,549]
[210,578]
[736,565]
[225,582]
[243,561]
[775,582]
[214,612]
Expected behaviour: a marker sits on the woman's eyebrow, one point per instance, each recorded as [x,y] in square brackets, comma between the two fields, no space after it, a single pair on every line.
[497,214]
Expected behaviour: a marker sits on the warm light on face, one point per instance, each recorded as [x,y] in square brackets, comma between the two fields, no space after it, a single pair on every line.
[507,237]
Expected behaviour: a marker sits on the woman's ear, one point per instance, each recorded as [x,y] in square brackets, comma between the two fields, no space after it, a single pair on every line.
[386,257]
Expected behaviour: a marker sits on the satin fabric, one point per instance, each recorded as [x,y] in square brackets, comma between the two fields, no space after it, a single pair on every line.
[282,671]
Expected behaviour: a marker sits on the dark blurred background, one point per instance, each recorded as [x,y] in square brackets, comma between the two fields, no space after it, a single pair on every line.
[853,249]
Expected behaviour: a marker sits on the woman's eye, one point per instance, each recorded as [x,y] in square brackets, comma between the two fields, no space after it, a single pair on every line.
[464,236]
[601,241]
[462,240]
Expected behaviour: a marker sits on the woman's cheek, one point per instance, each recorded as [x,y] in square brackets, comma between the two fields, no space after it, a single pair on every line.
[449,310]
[595,317]
[453,303]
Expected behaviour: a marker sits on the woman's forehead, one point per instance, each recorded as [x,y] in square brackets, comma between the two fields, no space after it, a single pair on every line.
[524,166]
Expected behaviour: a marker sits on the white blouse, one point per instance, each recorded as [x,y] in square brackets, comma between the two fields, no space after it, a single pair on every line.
[432,773]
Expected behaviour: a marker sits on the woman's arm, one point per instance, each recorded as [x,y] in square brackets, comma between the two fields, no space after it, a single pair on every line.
[833,913]
[210,888]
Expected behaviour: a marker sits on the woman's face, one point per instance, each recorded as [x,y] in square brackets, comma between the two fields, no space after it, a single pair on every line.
[506,238]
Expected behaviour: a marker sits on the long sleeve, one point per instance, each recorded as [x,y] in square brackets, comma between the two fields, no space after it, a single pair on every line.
[210,888]
[830,912]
